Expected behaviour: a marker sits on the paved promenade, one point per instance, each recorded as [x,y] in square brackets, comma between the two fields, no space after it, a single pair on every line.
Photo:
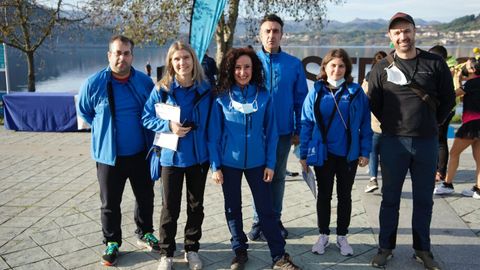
[49,216]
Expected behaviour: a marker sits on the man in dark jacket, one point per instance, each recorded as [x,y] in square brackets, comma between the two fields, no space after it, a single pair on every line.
[409,139]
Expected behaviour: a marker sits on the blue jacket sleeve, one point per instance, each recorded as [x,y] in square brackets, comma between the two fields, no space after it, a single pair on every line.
[85,108]
[366,132]
[215,134]
[301,90]
[308,123]
[271,135]
[149,117]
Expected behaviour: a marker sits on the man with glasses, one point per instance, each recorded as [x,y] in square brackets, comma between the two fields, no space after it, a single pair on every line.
[112,101]
[411,94]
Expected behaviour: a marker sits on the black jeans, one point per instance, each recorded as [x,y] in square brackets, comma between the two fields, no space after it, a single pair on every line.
[443,146]
[112,181]
[345,173]
[172,179]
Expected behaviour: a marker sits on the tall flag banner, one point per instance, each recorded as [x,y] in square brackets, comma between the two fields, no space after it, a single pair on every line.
[205,17]
[2,57]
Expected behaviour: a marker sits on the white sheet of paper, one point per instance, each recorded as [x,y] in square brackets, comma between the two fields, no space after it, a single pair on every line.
[171,113]
[166,140]
[167,112]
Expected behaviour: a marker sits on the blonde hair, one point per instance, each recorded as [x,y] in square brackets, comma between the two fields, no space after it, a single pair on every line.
[169,72]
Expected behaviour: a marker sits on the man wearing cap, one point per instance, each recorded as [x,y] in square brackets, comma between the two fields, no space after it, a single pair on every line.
[411,93]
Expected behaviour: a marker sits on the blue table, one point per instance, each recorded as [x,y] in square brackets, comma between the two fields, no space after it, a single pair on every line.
[27,111]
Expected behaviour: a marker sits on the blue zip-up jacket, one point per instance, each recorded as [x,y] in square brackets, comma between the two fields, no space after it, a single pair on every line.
[312,147]
[239,140]
[93,106]
[285,80]
[200,115]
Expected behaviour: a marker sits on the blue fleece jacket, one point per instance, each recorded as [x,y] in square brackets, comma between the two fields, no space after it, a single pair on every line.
[239,140]
[285,80]
[314,149]
[191,149]
[93,106]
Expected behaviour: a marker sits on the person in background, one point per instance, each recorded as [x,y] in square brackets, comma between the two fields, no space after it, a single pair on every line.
[443,128]
[148,69]
[242,141]
[111,101]
[335,138]
[183,85]
[377,132]
[286,82]
[469,132]
[398,88]
[209,68]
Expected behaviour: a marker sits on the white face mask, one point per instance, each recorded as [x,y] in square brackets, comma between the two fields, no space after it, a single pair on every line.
[335,83]
[245,108]
[395,75]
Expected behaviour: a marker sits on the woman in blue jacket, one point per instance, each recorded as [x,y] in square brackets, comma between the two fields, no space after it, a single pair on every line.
[242,141]
[335,137]
[183,85]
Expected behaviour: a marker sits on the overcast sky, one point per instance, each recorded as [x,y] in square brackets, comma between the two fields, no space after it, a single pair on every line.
[438,10]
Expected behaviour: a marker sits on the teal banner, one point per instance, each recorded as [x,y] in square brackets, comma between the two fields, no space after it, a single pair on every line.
[205,17]
[2,57]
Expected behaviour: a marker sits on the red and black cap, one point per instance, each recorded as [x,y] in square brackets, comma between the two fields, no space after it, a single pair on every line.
[400,16]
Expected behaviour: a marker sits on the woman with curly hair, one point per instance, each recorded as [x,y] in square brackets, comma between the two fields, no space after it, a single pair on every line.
[242,140]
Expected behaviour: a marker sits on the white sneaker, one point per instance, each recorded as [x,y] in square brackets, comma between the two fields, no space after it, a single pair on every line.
[342,244]
[166,263]
[321,244]
[442,189]
[474,192]
[194,261]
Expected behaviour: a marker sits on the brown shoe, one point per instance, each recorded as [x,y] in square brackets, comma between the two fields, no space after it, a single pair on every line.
[285,263]
[426,258]
[238,262]
[380,260]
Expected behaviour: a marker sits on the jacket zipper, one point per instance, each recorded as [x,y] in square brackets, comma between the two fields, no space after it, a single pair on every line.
[246,141]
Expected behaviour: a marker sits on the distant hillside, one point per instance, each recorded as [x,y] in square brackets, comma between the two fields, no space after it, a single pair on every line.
[465,23]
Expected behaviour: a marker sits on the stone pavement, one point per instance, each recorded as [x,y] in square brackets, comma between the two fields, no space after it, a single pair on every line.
[49,216]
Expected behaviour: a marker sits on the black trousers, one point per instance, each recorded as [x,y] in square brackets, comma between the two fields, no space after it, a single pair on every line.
[112,181]
[344,171]
[443,146]
[172,179]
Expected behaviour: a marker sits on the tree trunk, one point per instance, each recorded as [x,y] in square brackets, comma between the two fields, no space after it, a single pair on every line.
[31,72]
[226,30]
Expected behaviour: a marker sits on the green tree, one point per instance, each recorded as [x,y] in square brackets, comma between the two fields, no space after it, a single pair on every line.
[160,20]
[25,25]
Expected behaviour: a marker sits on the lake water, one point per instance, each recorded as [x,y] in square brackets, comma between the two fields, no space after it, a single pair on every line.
[65,69]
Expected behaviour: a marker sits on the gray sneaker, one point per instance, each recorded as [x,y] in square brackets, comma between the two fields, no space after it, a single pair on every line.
[372,185]
[426,258]
[380,260]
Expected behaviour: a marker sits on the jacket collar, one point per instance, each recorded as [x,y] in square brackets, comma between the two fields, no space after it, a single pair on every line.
[351,87]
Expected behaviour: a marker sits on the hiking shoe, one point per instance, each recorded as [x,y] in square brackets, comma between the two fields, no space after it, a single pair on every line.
[321,244]
[344,246]
[166,263]
[372,185]
[380,260]
[110,256]
[283,231]
[238,262]
[149,241]
[194,261]
[443,188]
[255,234]
[285,263]
[426,258]
[471,192]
